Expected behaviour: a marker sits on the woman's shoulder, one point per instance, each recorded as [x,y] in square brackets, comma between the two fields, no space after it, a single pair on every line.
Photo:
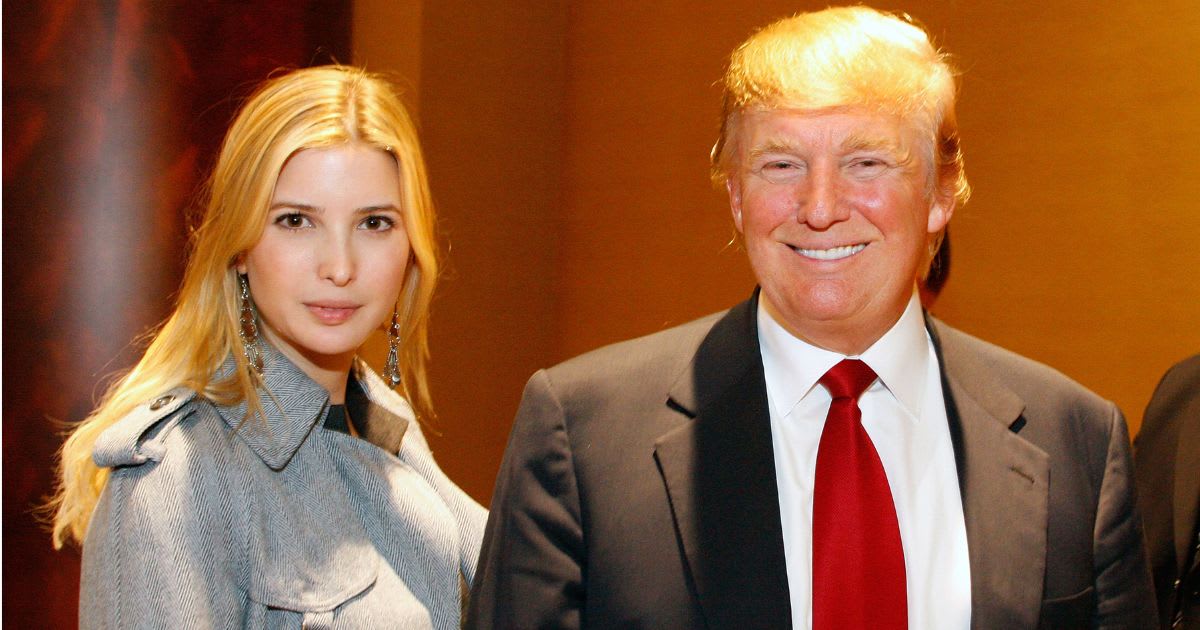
[143,435]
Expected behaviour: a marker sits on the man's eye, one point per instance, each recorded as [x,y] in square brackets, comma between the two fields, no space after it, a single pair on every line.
[780,171]
[292,221]
[868,167]
[377,223]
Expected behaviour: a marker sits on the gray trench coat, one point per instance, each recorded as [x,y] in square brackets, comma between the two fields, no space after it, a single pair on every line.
[275,524]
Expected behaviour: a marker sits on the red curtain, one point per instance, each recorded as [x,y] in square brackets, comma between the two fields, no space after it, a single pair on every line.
[112,115]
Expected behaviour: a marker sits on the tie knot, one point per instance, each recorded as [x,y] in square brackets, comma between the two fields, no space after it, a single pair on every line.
[848,379]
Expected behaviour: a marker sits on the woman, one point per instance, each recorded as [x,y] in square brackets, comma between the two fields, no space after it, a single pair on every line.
[249,471]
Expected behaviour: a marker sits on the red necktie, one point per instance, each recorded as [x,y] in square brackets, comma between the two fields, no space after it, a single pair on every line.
[858,561]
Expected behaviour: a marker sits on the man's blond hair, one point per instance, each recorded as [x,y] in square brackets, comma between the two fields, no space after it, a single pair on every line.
[846,57]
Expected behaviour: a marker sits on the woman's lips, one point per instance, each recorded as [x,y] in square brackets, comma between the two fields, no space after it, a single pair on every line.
[331,313]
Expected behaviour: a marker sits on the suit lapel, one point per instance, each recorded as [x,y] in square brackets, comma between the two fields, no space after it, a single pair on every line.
[1005,488]
[719,471]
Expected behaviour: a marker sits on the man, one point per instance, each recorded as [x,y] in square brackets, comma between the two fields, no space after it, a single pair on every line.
[823,455]
[1168,473]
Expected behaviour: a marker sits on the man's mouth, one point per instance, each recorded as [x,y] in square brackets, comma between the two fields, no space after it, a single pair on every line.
[833,253]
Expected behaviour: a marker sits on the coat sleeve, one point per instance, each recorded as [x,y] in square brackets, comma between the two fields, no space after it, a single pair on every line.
[158,552]
[1124,596]
[530,572]
[469,516]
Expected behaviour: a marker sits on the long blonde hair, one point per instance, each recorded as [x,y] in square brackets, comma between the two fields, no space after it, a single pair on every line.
[312,107]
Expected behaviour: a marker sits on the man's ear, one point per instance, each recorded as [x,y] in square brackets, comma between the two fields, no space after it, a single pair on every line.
[734,188]
[940,211]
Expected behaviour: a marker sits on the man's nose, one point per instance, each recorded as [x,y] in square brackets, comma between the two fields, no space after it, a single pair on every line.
[337,260]
[822,203]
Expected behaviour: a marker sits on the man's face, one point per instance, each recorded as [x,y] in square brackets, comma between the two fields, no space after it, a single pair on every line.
[836,210]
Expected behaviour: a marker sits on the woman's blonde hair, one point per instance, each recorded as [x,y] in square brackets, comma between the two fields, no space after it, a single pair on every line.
[308,108]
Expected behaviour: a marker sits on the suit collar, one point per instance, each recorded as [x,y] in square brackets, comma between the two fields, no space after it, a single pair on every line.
[719,472]
[727,354]
[996,467]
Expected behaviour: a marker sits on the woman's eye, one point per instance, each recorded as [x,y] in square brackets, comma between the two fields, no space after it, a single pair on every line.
[292,221]
[377,223]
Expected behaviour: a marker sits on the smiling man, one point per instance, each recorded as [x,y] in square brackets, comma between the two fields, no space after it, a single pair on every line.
[824,455]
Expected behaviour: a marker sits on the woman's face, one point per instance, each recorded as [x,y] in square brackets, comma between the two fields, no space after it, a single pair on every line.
[332,258]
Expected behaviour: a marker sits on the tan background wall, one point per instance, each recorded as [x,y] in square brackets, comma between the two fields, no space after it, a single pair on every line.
[568,148]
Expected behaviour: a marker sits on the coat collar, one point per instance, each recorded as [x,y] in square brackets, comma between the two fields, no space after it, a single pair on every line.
[293,404]
[719,471]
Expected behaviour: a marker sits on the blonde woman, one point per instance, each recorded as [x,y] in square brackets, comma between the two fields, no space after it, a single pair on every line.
[250,471]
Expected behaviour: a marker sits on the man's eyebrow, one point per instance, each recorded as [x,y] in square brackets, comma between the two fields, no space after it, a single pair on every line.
[861,142]
[774,146]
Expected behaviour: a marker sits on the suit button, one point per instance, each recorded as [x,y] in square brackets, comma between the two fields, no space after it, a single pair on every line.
[166,400]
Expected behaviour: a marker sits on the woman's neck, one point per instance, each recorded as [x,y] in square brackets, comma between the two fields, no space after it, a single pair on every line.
[328,371]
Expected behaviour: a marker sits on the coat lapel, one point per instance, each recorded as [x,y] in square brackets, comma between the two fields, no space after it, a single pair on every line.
[1005,488]
[719,471]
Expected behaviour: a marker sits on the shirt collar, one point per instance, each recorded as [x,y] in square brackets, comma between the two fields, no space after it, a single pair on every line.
[900,357]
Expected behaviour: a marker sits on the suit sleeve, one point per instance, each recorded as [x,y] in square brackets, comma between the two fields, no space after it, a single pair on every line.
[530,572]
[1124,596]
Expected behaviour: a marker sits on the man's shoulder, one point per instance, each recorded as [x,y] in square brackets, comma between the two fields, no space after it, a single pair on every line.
[663,354]
[970,359]
[1183,375]
[1177,393]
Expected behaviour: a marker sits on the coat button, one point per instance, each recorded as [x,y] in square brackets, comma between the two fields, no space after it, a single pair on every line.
[161,402]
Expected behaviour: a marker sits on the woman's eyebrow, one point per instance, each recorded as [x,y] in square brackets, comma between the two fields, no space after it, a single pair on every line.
[383,207]
[295,205]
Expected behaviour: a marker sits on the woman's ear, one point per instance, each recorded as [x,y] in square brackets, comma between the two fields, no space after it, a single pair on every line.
[239,263]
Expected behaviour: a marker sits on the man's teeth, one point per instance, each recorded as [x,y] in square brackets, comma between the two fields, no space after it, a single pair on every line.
[832,254]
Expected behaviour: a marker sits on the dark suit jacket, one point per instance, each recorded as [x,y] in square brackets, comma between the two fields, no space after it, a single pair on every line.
[1168,474]
[638,490]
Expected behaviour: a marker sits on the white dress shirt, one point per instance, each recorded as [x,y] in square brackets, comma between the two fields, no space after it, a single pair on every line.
[904,413]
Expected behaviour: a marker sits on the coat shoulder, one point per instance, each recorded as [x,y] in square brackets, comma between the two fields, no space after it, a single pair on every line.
[140,436]
[969,357]
[1180,380]
[650,358]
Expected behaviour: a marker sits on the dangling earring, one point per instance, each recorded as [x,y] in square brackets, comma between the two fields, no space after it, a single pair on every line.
[391,371]
[248,330]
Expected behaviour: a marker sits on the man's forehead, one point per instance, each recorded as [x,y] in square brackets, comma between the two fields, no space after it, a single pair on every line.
[848,130]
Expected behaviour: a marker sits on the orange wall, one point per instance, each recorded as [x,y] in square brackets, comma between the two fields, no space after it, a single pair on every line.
[568,148]
[490,108]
